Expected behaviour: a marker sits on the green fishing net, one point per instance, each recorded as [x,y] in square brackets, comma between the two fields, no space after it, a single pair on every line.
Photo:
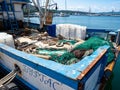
[50,51]
[67,58]
[68,41]
[60,56]
[94,43]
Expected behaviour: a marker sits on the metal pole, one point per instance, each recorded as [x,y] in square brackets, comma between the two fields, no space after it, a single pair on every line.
[28,15]
[45,14]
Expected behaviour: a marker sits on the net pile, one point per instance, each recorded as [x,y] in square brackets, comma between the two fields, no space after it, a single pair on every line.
[67,58]
[94,43]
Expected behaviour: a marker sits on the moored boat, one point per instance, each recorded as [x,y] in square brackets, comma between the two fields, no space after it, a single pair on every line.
[44,74]
[76,70]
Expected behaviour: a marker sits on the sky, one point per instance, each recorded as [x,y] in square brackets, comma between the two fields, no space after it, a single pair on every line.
[85,5]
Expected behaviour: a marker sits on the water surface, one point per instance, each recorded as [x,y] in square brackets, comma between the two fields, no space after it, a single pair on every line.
[92,22]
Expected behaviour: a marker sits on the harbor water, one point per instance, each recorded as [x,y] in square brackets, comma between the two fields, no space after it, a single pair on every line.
[98,22]
[94,22]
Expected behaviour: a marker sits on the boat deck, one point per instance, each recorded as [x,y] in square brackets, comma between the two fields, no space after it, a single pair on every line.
[91,66]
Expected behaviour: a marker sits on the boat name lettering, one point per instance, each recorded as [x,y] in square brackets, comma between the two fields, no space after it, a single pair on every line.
[42,78]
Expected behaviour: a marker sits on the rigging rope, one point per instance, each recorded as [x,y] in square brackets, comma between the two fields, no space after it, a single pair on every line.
[8,78]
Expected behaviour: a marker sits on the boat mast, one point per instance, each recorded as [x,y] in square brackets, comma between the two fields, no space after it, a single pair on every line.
[43,14]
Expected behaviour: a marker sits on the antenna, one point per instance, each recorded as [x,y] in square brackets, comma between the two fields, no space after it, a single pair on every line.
[65,5]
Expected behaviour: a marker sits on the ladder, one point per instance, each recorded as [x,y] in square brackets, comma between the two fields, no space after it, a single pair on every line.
[11,20]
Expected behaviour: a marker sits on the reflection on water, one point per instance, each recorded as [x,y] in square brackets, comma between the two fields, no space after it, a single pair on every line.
[116,78]
[113,83]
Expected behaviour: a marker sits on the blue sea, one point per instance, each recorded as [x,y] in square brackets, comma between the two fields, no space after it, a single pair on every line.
[94,22]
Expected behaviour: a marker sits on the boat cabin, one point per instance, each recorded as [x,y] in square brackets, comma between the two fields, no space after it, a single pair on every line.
[11,14]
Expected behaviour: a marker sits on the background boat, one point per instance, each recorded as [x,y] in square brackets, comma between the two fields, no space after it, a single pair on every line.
[64,15]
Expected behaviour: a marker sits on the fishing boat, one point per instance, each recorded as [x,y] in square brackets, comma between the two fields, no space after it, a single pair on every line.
[65,57]
[64,15]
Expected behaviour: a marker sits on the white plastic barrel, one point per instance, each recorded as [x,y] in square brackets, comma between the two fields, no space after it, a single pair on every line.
[71,31]
[7,39]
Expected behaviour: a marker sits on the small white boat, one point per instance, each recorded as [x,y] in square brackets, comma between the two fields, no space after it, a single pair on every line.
[64,15]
